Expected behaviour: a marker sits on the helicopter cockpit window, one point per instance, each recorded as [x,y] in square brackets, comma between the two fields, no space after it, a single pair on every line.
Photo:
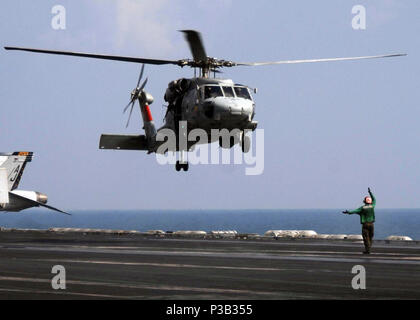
[212,92]
[228,92]
[242,92]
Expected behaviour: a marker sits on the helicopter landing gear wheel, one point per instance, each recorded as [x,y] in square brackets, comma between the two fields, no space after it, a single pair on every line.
[245,143]
[183,166]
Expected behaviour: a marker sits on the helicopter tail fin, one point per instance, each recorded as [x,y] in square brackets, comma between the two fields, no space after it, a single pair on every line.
[148,124]
[133,142]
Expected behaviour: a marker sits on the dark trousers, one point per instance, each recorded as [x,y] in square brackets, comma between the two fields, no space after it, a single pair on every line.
[367,233]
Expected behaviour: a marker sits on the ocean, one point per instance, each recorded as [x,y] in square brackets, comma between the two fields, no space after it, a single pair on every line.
[388,221]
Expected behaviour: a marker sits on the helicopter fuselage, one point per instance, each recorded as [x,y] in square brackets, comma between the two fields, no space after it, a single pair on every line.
[209,104]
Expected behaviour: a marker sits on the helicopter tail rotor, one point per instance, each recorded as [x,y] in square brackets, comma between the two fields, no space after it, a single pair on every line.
[145,99]
[136,94]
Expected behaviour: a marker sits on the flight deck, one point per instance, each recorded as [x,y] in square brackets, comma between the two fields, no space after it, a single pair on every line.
[118,265]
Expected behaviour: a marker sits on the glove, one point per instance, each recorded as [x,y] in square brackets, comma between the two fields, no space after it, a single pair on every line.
[346,212]
[369,190]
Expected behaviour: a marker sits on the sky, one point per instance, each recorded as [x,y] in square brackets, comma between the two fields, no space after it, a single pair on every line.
[331,129]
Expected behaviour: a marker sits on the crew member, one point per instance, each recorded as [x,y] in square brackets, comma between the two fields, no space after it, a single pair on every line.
[367,219]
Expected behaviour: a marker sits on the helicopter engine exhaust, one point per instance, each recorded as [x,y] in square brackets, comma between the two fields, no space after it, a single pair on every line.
[175,89]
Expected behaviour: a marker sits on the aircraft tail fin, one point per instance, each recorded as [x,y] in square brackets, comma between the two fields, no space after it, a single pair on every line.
[4,187]
[148,123]
[14,164]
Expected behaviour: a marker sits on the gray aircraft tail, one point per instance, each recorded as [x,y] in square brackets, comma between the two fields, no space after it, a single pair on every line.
[14,163]
[149,125]
[145,142]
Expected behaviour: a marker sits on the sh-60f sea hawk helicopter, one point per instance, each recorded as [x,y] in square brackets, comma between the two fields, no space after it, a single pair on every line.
[203,102]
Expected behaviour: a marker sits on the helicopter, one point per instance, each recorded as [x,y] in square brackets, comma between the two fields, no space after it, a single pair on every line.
[202,102]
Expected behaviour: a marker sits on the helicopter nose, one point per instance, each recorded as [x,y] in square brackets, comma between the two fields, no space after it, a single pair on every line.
[229,108]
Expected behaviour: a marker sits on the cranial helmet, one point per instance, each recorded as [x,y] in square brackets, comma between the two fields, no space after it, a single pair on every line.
[367,200]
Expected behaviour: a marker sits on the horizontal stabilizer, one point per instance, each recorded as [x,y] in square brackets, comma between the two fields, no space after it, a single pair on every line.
[123,142]
[34,203]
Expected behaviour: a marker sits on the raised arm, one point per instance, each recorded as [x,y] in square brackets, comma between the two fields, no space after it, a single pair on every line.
[372,196]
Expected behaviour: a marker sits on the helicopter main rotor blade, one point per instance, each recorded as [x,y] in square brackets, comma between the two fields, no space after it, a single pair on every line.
[141,75]
[196,44]
[98,56]
[318,60]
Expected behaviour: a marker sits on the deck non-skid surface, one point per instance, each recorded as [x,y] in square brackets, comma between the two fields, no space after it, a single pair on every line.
[126,267]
